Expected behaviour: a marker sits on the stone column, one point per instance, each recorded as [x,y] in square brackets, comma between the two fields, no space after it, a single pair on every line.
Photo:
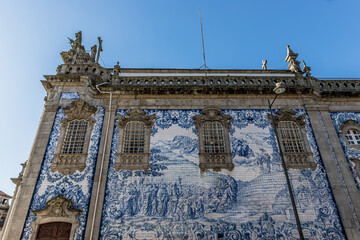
[99,185]
[332,152]
[20,207]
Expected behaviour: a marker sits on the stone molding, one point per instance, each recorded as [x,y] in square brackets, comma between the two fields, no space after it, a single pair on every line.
[67,164]
[135,161]
[294,160]
[215,161]
[58,209]
[346,126]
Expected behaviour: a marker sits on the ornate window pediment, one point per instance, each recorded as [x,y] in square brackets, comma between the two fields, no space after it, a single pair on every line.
[133,150]
[57,210]
[74,139]
[293,140]
[350,132]
[214,145]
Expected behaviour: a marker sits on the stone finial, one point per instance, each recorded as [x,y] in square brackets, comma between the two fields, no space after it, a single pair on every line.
[264,62]
[294,65]
[306,69]
[117,69]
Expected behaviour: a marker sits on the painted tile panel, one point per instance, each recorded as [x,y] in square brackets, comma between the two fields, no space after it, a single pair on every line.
[174,200]
[69,95]
[75,187]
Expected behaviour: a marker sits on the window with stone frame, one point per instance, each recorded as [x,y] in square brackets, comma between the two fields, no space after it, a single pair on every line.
[293,139]
[75,132]
[350,132]
[74,141]
[214,141]
[133,151]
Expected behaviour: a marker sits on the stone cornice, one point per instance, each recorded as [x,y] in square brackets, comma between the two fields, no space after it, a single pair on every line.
[191,81]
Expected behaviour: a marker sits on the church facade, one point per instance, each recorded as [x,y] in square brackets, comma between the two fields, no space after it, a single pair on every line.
[190,154]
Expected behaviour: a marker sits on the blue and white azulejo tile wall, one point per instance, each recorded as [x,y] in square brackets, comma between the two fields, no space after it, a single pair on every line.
[174,200]
[75,187]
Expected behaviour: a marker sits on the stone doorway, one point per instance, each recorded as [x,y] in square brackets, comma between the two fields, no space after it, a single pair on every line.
[54,230]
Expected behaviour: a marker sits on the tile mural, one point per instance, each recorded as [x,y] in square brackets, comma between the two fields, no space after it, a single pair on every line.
[174,200]
[75,187]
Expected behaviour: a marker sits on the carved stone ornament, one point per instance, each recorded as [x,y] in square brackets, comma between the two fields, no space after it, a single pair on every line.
[215,161]
[306,69]
[67,164]
[58,209]
[356,166]
[346,126]
[77,53]
[298,160]
[294,65]
[134,161]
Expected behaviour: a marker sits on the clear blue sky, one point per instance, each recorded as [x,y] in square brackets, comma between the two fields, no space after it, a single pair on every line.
[160,34]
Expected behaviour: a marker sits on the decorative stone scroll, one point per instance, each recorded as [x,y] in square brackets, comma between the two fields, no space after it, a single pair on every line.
[214,160]
[67,163]
[58,209]
[294,159]
[345,127]
[136,160]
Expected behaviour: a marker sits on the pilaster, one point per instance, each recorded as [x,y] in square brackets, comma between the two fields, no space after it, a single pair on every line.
[20,207]
[337,168]
[102,165]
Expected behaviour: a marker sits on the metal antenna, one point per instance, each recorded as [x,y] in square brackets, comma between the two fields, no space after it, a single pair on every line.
[202,38]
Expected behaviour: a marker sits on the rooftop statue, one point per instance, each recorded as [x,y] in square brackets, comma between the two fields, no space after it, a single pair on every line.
[294,65]
[77,42]
[117,69]
[77,53]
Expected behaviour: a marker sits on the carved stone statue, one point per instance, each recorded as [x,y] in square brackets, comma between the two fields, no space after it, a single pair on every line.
[77,42]
[117,69]
[77,53]
[294,65]
[264,62]
[93,53]
[306,69]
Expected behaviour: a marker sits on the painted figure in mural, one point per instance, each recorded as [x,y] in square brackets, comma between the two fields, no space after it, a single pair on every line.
[264,161]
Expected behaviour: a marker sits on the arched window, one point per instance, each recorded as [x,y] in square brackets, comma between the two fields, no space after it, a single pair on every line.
[74,141]
[133,152]
[293,139]
[75,132]
[214,139]
[214,143]
[353,137]
[134,137]
[350,132]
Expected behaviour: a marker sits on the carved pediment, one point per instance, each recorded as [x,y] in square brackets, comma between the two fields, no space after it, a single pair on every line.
[288,115]
[79,109]
[349,124]
[136,115]
[57,207]
[212,114]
